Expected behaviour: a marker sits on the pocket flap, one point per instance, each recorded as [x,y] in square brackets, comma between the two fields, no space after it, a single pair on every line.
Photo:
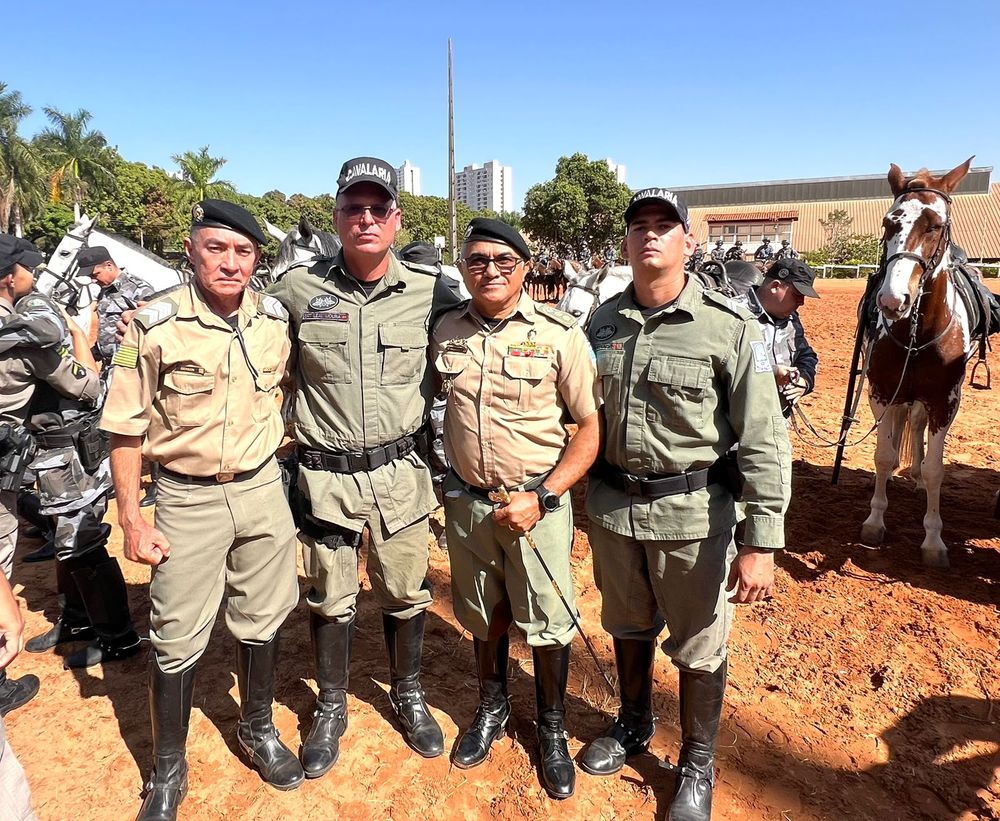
[609,362]
[402,336]
[451,363]
[526,367]
[318,333]
[189,383]
[679,371]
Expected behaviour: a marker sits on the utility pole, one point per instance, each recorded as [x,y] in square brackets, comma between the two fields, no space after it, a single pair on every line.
[452,191]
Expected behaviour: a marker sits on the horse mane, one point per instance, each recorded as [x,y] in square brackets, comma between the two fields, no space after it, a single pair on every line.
[329,245]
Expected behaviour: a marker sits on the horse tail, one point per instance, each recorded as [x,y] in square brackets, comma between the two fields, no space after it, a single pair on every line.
[906,446]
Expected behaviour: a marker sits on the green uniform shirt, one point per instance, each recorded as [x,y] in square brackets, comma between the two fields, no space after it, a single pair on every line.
[361,381]
[681,386]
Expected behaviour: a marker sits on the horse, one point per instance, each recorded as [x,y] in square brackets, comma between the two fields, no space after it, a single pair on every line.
[588,290]
[917,352]
[58,277]
[299,243]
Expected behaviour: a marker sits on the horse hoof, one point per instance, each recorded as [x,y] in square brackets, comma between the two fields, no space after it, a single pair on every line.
[936,558]
[871,535]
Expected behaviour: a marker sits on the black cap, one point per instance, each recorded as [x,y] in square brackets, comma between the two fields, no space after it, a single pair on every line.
[490,230]
[90,258]
[17,251]
[796,273]
[368,169]
[222,214]
[421,252]
[662,196]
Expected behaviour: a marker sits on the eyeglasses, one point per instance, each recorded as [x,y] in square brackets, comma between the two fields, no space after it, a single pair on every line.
[379,213]
[478,263]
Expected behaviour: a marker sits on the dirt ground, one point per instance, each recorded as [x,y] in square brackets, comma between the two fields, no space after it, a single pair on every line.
[866,689]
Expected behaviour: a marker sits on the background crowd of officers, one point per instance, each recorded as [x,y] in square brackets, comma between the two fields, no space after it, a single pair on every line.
[671,390]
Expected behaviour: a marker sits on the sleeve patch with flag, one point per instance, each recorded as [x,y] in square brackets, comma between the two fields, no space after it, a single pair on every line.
[127,356]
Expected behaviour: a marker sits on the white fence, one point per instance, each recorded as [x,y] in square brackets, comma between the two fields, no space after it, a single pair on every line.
[989,269]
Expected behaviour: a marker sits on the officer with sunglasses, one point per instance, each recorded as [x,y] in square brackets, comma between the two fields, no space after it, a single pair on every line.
[360,324]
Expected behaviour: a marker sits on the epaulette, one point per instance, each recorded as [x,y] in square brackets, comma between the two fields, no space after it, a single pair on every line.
[720,299]
[272,307]
[565,319]
[420,268]
[36,300]
[167,291]
[149,316]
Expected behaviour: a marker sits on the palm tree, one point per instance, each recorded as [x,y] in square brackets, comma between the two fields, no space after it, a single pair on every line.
[22,177]
[196,181]
[79,158]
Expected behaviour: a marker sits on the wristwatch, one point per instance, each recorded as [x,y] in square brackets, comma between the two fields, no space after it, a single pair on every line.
[549,500]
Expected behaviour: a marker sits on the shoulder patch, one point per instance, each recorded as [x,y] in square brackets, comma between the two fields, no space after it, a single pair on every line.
[155,313]
[166,291]
[719,299]
[319,265]
[270,306]
[561,317]
[419,267]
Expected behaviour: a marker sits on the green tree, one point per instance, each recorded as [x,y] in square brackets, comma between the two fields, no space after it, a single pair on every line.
[582,205]
[843,247]
[22,176]
[197,180]
[48,227]
[79,158]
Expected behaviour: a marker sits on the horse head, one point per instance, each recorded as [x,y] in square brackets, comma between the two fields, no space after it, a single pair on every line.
[303,242]
[917,232]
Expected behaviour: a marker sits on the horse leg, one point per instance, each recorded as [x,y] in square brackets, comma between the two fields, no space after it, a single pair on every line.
[933,548]
[890,431]
[918,428]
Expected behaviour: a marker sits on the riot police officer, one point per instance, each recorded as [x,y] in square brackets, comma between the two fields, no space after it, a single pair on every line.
[786,251]
[719,252]
[764,252]
[736,252]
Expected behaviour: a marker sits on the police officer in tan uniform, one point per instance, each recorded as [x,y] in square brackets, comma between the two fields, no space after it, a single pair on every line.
[685,376]
[361,322]
[196,390]
[512,370]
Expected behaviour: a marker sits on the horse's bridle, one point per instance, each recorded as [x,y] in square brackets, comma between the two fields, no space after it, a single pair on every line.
[593,290]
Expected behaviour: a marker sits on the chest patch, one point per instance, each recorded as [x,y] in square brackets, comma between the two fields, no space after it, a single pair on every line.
[605,332]
[323,316]
[323,302]
[530,349]
[761,364]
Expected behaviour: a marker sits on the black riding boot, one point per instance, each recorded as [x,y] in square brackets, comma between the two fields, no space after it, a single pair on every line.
[494,705]
[16,692]
[332,650]
[405,642]
[72,624]
[701,709]
[150,497]
[170,697]
[256,733]
[551,675]
[633,728]
[102,588]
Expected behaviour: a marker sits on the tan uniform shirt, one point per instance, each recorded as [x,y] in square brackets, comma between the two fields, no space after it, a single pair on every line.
[362,381]
[681,386]
[509,388]
[206,403]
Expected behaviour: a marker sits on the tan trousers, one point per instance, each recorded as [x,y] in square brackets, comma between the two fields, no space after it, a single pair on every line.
[235,540]
[15,798]
[646,584]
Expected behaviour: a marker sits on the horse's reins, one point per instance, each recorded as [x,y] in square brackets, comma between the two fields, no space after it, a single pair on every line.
[593,290]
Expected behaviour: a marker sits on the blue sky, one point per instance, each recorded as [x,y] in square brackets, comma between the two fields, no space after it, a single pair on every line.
[710,93]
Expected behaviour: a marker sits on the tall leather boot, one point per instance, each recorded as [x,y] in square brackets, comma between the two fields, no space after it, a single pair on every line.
[170,697]
[72,624]
[256,733]
[551,675]
[405,642]
[332,649]
[633,728]
[16,692]
[701,709]
[493,712]
[102,588]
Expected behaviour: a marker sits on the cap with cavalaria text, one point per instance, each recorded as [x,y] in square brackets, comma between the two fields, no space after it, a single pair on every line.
[662,196]
[368,169]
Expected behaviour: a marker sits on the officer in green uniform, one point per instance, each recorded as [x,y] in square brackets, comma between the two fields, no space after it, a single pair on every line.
[685,376]
[360,325]
[513,371]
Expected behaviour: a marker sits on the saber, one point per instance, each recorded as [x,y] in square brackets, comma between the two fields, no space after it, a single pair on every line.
[502,496]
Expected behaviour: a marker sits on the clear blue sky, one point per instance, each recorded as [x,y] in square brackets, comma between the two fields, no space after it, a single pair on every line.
[711,93]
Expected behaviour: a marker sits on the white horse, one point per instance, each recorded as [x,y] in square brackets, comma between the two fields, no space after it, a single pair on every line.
[299,243]
[588,289]
[58,278]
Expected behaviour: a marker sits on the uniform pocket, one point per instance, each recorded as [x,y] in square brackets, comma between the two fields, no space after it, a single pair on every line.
[403,349]
[324,355]
[267,397]
[450,366]
[610,364]
[523,375]
[678,388]
[187,397]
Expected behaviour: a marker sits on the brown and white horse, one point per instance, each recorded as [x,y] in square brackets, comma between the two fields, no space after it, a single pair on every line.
[917,360]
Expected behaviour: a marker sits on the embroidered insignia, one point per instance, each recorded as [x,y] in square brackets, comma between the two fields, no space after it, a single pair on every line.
[127,356]
[323,316]
[605,332]
[761,364]
[324,302]
[532,334]
[198,213]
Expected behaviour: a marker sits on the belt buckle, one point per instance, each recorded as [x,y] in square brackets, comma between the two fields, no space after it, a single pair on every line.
[225,476]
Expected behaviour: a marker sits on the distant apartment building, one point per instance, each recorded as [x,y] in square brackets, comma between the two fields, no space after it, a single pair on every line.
[486,186]
[409,178]
[616,168]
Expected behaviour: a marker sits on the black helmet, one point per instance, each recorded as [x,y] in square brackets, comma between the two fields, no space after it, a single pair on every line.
[718,242]
[786,242]
[739,242]
[743,275]
[766,239]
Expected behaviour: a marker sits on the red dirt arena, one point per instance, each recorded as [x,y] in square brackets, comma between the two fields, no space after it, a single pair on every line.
[866,689]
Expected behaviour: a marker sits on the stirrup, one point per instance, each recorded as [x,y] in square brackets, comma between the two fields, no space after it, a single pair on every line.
[972,378]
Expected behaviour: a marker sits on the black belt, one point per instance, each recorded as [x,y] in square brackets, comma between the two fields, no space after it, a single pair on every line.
[658,486]
[45,441]
[484,492]
[357,461]
[221,478]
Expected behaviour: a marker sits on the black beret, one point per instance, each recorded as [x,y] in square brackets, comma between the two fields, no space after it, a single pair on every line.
[89,258]
[368,169]
[222,214]
[490,230]
[421,252]
[17,251]
[796,273]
